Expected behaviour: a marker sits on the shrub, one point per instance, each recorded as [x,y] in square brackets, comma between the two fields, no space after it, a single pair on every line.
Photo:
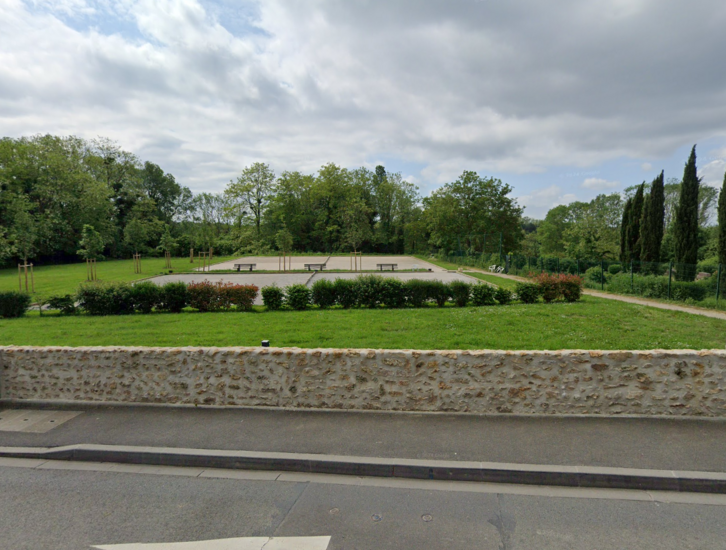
[528,293]
[460,292]
[683,290]
[105,298]
[571,287]
[13,303]
[614,269]
[66,305]
[369,290]
[482,295]
[549,286]
[503,295]
[273,297]
[323,293]
[145,295]
[595,275]
[298,296]
[393,292]
[346,292]
[440,292]
[173,297]
[417,292]
[709,265]
[242,296]
[206,296]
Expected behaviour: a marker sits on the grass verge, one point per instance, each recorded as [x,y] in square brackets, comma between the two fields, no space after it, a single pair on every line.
[593,323]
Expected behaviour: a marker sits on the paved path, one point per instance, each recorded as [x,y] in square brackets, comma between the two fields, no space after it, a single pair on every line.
[648,443]
[621,298]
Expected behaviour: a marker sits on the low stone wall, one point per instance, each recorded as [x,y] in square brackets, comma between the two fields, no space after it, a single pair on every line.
[552,382]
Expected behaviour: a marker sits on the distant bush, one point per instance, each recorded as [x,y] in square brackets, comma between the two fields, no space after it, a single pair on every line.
[66,304]
[297,296]
[273,297]
[14,303]
[205,296]
[393,293]
[709,265]
[440,292]
[596,276]
[346,292]
[483,295]
[323,293]
[145,296]
[503,295]
[614,269]
[528,293]
[173,297]
[105,298]
[460,292]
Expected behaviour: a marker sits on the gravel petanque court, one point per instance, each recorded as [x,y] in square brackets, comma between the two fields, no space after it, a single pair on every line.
[273,263]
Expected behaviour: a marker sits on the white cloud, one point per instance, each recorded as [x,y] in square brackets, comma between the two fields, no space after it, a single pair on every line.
[450,86]
[540,201]
[646,166]
[713,173]
[599,184]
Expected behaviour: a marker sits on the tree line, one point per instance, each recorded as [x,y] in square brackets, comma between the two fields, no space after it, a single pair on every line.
[62,198]
[660,221]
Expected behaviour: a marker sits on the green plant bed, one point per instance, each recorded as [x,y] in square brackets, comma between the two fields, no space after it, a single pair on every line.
[537,326]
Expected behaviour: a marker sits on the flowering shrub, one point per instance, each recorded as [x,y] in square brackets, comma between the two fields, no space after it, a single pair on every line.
[206,296]
[554,287]
[571,287]
[242,296]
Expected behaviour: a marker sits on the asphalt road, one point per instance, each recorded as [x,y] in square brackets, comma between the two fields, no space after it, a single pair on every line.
[65,509]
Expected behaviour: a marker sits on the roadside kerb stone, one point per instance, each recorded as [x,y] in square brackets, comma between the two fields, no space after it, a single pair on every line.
[521,474]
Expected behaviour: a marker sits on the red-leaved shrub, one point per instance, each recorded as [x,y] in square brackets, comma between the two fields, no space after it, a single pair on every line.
[571,287]
[554,287]
[206,296]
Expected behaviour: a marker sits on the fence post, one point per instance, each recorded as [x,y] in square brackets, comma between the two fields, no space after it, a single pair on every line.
[670,276]
[631,276]
[500,247]
[718,284]
[602,274]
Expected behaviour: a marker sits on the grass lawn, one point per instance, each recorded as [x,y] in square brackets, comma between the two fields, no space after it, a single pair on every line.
[64,279]
[499,281]
[593,323]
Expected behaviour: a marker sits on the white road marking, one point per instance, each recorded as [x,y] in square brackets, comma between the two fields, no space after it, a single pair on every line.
[245,543]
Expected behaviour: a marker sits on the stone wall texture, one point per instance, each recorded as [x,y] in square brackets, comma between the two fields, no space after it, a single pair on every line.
[551,382]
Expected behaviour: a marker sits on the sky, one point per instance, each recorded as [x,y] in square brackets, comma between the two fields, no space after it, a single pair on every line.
[562,100]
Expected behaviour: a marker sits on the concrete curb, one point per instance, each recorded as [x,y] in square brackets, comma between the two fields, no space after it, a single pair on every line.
[489,472]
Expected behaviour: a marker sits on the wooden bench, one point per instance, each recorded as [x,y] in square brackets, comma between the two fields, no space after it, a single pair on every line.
[250,267]
[393,267]
[316,267]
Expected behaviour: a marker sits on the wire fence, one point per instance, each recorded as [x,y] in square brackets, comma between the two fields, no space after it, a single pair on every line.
[703,285]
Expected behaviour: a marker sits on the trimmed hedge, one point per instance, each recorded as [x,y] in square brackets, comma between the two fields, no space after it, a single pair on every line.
[483,295]
[528,293]
[323,293]
[66,305]
[273,297]
[460,292]
[173,297]
[105,298]
[14,303]
[297,296]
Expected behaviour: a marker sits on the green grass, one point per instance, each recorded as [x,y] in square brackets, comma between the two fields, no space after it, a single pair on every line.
[593,323]
[499,281]
[64,279]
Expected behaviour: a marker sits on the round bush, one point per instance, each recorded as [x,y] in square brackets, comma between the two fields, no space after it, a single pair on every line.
[370,288]
[346,292]
[440,292]
[460,292]
[66,305]
[528,293]
[273,297]
[393,293]
[417,292]
[614,269]
[101,298]
[298,296]
[503,295]
[482,295]
[145,295]
[173,297]
[14,303]
[323,293]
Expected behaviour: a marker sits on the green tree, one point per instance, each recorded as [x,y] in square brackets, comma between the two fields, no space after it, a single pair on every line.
[633,230]
[167,243]
[624,226]
[24,231]
[722,224]
[253,188]
[593,228]
[91,244]
[356,223]
[652,222]
[685,229]
[552,230]
[284,240]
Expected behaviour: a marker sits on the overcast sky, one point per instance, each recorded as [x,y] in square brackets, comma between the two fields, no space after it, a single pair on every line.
[563,99]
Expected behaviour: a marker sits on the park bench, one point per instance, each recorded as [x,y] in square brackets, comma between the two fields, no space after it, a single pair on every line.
[392,267]
[250,267]
[316,267]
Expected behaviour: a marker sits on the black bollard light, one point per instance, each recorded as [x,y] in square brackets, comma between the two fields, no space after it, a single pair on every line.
[265,343]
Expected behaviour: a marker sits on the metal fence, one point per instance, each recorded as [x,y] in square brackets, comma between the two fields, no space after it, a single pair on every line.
[704,285]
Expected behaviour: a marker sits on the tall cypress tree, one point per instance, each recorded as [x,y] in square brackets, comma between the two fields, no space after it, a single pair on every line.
[651,224]
[634,226]
[722,224]
[685,229]
[624,224]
